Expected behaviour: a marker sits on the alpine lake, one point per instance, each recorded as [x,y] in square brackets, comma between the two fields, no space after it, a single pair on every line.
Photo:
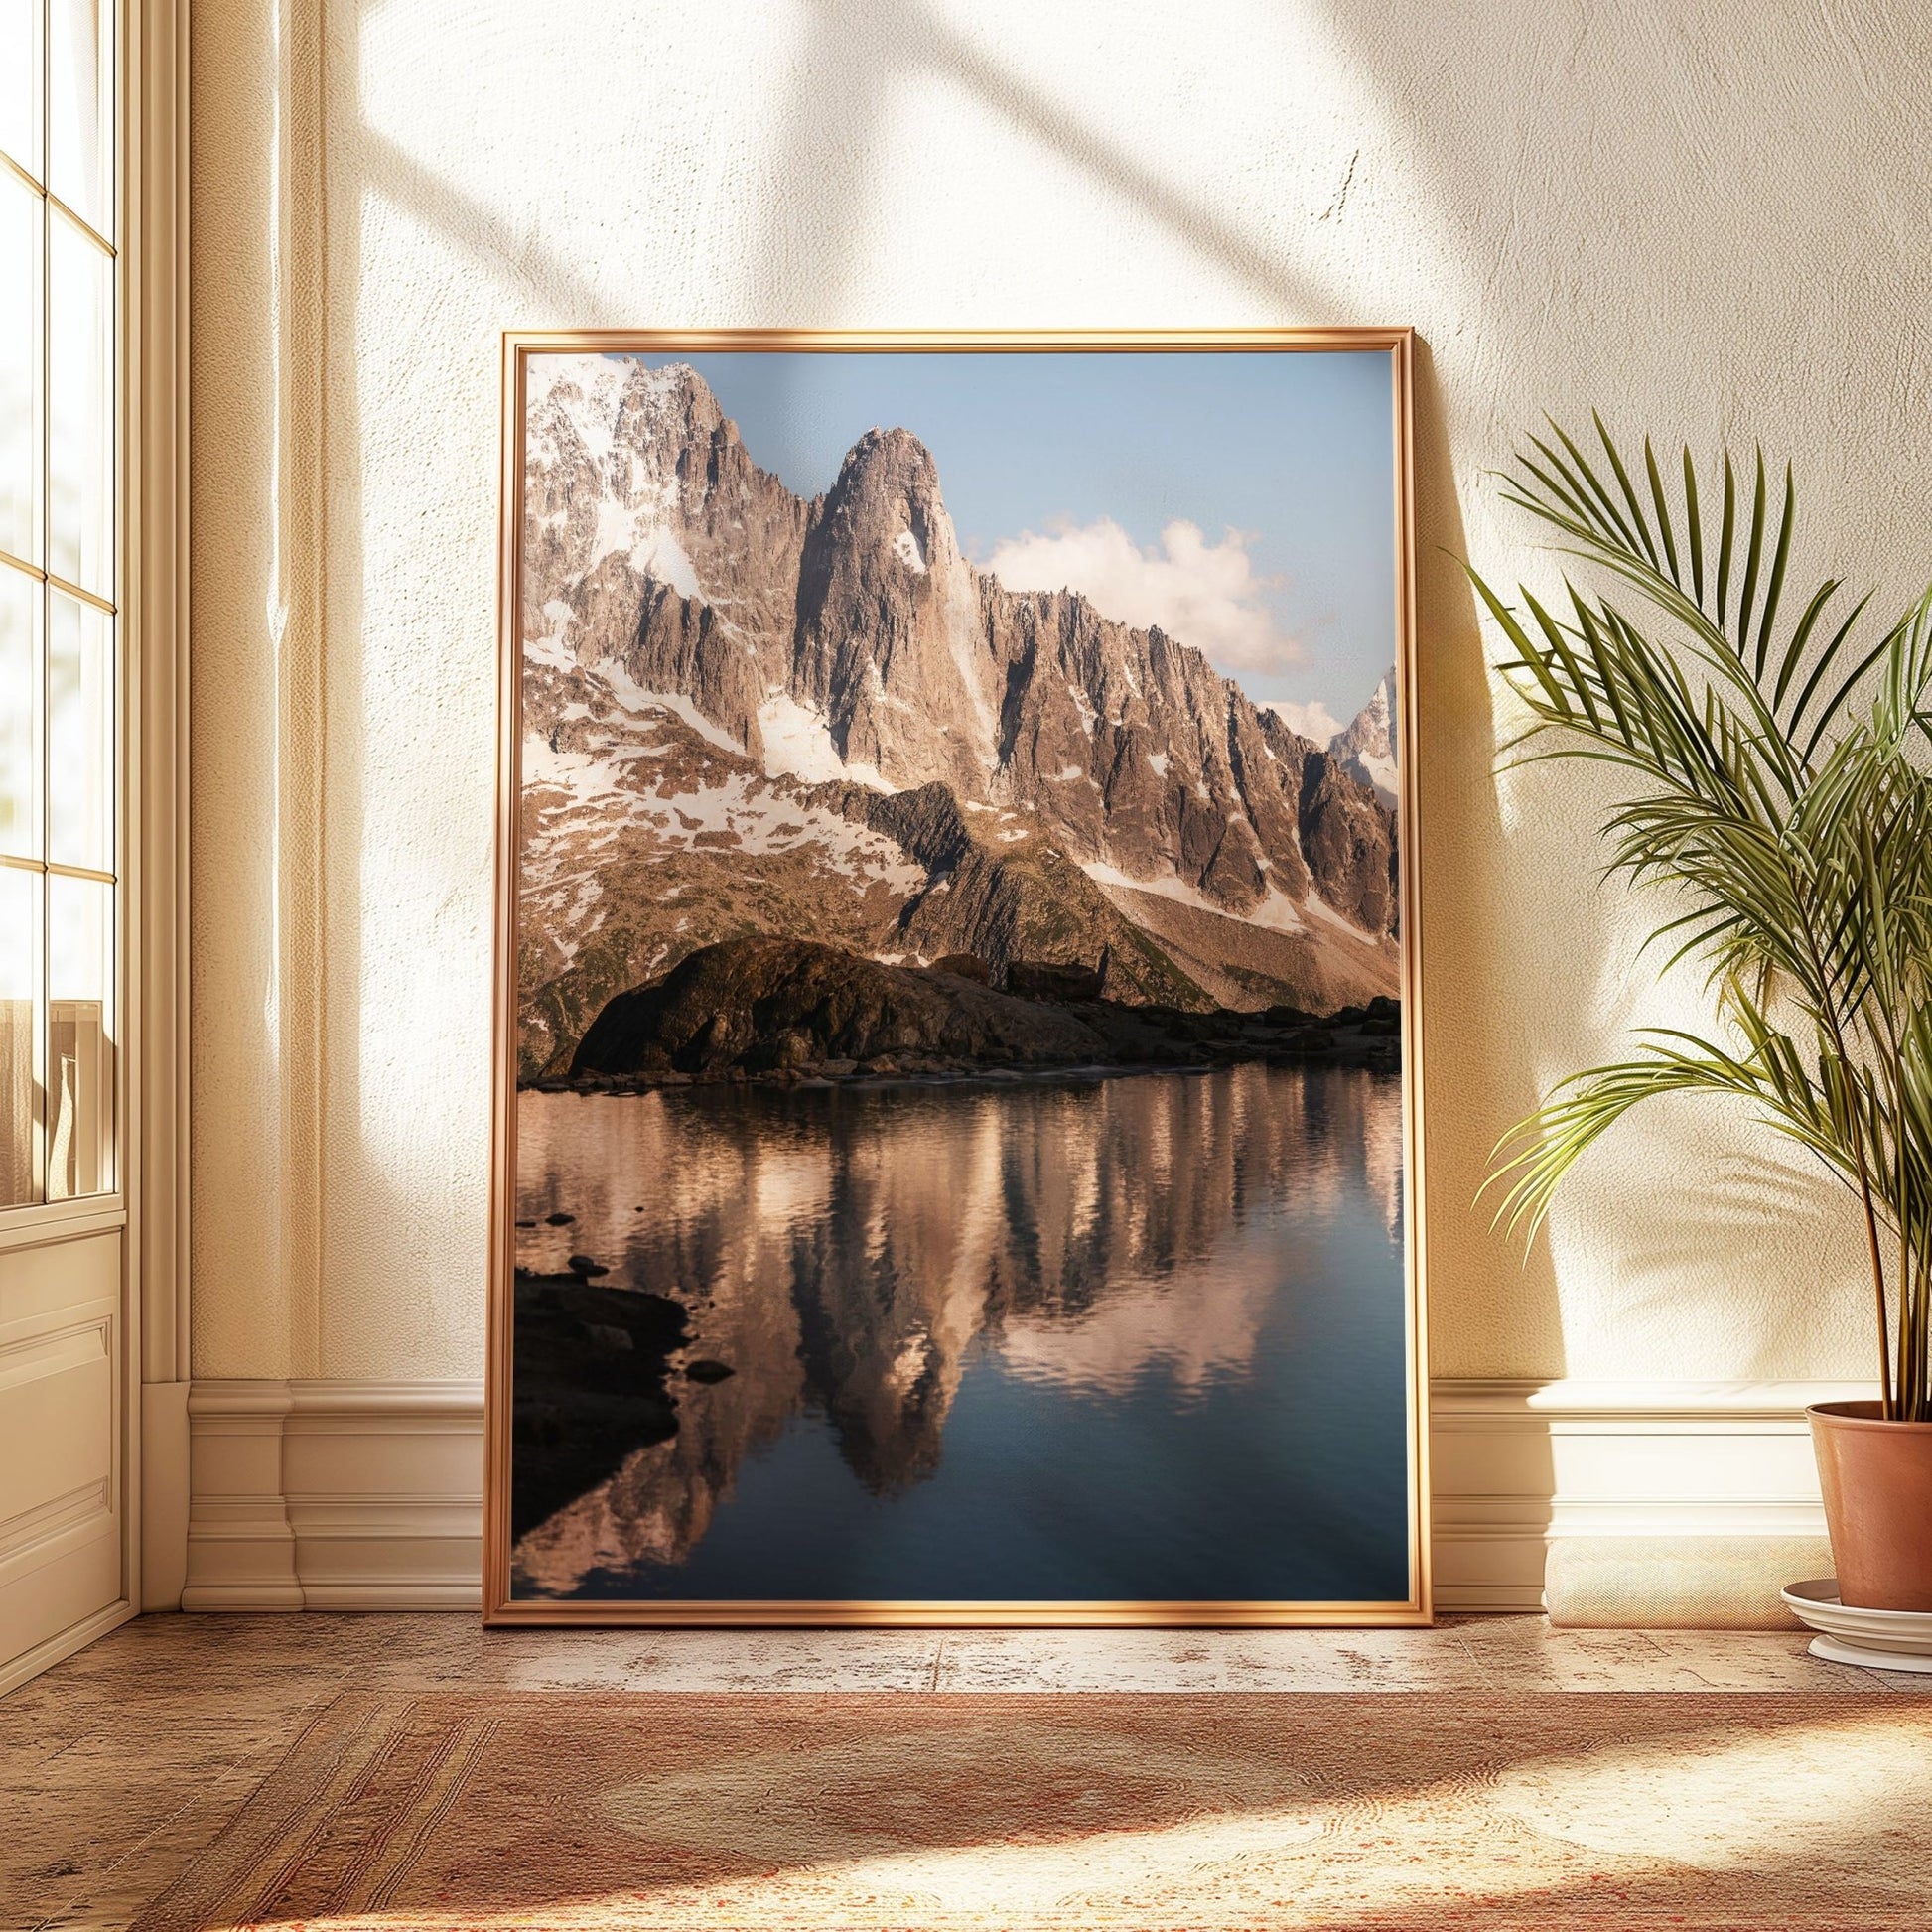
[1078,1336]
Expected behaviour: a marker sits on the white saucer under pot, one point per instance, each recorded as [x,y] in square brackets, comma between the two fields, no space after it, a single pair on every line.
[1875,1639]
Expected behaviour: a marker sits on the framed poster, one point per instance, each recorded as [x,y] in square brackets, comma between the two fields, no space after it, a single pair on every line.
[956,1151]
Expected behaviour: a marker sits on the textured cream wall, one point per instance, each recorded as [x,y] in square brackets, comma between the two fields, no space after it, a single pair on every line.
[1708,220]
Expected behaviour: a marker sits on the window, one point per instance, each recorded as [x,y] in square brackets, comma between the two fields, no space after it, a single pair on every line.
[59,631]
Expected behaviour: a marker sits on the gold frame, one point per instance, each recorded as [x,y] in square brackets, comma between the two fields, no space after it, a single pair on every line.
[499,1608]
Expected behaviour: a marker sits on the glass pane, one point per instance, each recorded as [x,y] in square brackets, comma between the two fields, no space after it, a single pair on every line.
[80,1038]
[20,709]
[79,372]
[20,82]
[79,110]
[21,228]
[20,951]
[80,733]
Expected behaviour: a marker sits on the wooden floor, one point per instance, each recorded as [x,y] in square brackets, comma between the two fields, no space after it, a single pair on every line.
[120,1765]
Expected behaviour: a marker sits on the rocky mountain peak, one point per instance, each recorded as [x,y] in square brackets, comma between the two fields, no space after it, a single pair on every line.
[1366,748]
[603,404]
[893,651]
[675,398]
[888,498]
[888,458]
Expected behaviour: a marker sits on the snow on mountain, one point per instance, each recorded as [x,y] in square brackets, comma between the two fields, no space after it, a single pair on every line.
[1366,750]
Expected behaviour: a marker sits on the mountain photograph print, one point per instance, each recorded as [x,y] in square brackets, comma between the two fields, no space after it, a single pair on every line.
[955,1152]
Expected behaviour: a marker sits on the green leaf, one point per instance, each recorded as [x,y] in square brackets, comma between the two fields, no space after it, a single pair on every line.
[1662,507]
[1779,559]
[1694,520]
[1794,651]
[1748,596]
[1623,484]
[1726,537]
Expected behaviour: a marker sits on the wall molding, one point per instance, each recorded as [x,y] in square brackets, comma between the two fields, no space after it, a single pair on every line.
[57,1648]
[1656,1501]
[1627,1501]
[335,1496]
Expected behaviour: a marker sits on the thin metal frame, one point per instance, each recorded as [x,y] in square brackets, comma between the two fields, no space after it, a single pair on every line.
[499,1608]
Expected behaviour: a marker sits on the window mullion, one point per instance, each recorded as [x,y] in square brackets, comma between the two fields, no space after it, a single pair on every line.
[43,1040]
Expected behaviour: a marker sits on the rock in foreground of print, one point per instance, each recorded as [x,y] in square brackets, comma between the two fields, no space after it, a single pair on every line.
[592,1374]
[790,1007]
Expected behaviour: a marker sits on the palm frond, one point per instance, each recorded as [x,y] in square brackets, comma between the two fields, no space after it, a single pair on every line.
[1777,789]
[1605,521]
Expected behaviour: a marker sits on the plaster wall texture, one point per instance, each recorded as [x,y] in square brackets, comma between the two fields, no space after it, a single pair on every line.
[1711,223]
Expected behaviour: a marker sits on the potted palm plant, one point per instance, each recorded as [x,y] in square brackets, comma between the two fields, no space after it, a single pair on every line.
[1774,753]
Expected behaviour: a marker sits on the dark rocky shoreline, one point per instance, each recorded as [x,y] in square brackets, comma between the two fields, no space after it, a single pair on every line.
[592,1385]
[792,1012]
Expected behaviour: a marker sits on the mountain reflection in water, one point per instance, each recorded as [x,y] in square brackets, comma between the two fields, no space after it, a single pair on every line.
[1106,1337]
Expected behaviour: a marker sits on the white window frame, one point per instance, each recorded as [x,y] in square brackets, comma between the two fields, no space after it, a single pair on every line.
[155,656]
[150,1199]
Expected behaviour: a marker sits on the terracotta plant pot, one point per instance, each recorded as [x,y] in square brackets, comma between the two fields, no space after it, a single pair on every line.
[1876,1477]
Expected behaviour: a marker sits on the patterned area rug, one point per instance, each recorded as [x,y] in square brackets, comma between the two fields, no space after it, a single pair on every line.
[942,1812]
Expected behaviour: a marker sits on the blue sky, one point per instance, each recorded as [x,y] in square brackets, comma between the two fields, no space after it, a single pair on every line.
[1094,458]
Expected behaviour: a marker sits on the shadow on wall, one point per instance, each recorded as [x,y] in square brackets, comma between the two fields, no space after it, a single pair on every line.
[856,62]
[831,130]
[1668,1278]
[1470,1002]
[1451,182]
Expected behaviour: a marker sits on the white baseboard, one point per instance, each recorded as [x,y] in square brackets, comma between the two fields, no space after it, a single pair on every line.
[335,1496]
[57,1648]
[1641,1501]
[1654,1502]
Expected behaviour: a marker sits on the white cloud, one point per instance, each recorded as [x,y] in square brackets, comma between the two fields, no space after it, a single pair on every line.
[1208,595]
[1308,720]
